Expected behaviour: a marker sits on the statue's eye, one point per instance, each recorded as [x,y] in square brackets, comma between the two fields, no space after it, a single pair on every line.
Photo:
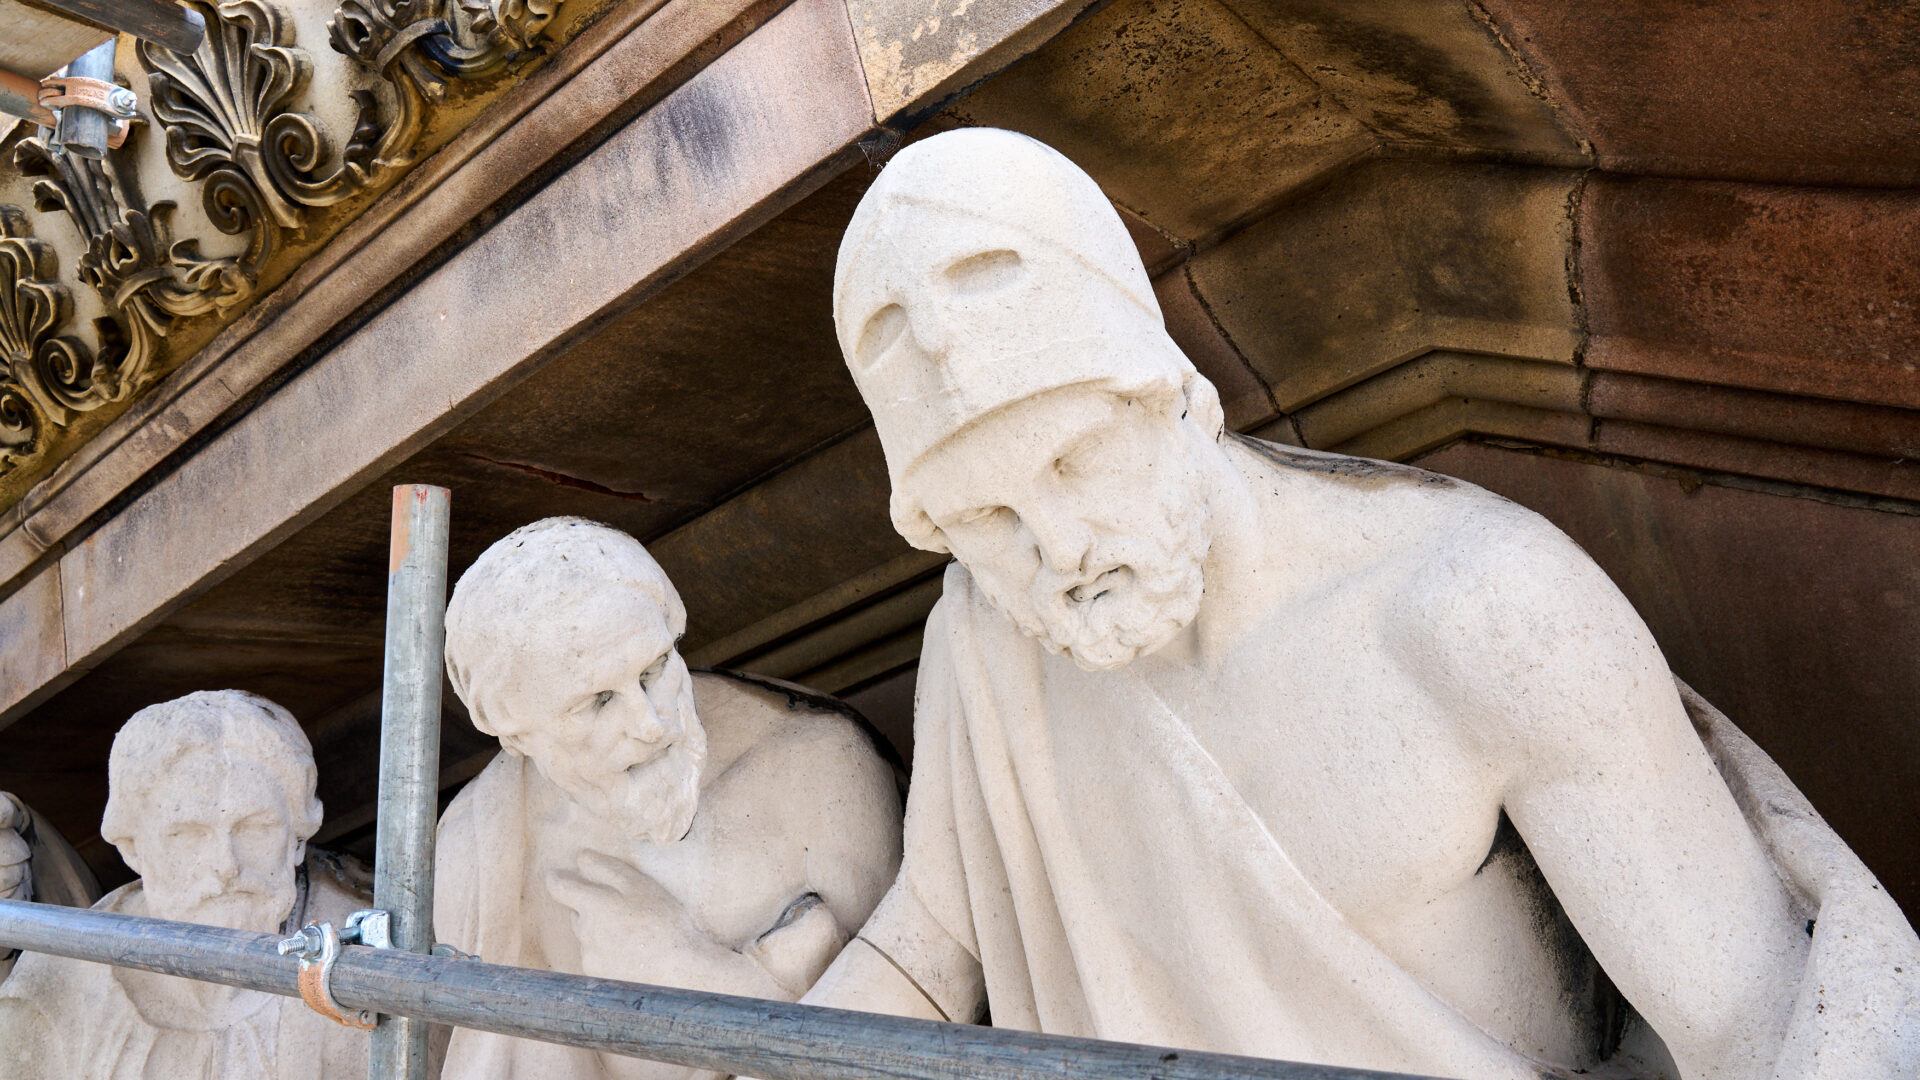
[600,699]
[986,272]
[654,672]
[879,334]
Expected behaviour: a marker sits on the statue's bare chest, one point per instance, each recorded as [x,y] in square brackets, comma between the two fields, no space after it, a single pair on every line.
[1373,789]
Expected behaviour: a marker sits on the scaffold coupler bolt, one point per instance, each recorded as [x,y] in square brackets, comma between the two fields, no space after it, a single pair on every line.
[318,946]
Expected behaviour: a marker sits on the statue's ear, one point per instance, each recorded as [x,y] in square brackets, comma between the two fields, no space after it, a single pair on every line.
[1203,405]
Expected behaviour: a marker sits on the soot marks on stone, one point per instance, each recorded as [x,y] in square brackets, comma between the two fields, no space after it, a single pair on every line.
[1584,988]
[705,123]
[1368,472]
[1423,74]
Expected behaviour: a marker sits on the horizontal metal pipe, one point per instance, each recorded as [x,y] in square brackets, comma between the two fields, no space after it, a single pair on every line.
[742,1036]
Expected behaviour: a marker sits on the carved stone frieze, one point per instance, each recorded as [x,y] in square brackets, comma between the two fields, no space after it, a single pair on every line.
[232,117]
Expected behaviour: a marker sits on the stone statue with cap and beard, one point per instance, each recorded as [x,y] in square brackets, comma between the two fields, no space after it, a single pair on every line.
[1243,747]
[211,801]
[642,822]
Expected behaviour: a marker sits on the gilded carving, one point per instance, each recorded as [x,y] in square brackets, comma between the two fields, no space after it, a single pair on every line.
[133,262]
[33,306]
[225,110]
[228,113]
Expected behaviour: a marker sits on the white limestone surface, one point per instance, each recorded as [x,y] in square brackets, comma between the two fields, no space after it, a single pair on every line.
[211,800]
[642,822]
[1241,747]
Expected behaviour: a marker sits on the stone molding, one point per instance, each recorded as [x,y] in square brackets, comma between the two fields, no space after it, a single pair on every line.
[263,167]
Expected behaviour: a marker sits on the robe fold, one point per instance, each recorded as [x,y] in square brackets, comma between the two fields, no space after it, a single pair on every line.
[1200,932]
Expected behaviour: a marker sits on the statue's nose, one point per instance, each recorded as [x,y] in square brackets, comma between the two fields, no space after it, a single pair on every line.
[649,726]
[1062,542]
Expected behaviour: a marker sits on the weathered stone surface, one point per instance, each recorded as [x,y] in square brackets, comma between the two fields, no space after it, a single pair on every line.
[1397,260]
[1799,290]
[1150,94]
[917,53]
[1799,91]
[1243,394]
[1424,72]
[33,650]
[1786,610]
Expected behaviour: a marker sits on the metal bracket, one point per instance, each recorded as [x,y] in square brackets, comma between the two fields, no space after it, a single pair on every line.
[60,91]
[318,946]
[370,927]
[117,103]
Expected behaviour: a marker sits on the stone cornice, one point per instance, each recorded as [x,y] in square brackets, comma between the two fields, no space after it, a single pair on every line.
[273,135]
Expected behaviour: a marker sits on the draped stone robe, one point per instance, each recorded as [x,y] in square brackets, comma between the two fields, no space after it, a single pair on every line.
[1200,932]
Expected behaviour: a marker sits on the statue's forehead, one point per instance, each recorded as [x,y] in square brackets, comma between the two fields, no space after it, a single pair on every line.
[214,783]
[906,247]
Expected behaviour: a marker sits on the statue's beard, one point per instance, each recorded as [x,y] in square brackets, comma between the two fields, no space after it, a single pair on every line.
[251,903]
[1137,593]
[656,800]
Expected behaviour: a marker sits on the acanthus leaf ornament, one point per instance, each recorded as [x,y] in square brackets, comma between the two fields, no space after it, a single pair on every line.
[226,110]
[231,118]
[132,261]
[35,361]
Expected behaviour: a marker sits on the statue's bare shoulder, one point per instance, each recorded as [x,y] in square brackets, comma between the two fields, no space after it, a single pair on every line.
[1517,624]
[784,754]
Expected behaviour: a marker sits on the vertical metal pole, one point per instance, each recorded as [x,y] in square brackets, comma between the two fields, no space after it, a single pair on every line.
[410,752]
[83,132]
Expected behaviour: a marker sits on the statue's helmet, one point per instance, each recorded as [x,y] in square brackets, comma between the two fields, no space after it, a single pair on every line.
[981,269]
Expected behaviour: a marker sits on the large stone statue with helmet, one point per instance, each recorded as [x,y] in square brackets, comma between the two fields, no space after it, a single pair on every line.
[1243,747]
[211,800]
[642,822]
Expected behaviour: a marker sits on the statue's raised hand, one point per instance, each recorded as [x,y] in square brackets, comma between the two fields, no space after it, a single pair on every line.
[625,921]
[16,883]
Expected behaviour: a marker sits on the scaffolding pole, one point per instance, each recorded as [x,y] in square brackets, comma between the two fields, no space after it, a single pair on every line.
[718,1032]
[410,753]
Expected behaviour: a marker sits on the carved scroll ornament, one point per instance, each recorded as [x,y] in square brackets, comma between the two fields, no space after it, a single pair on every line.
[263,167]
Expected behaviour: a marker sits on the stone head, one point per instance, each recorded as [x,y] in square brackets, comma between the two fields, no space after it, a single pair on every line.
[211,800]
[561,641]
[1037,420]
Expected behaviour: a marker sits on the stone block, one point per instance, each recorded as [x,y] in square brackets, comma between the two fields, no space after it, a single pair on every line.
[1795,290]
[33,648]
[918,53]
[1181,111]
[1796,91]
[1429,72]
[1399,259]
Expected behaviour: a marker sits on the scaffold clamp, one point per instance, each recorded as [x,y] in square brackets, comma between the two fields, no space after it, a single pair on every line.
[318,946]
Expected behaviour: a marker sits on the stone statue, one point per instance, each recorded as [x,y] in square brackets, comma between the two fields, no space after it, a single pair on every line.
[642,822]
[210,800]
[1242,747]
[37,864]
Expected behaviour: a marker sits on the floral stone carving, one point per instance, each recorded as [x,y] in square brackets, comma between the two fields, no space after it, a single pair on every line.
[227,112]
